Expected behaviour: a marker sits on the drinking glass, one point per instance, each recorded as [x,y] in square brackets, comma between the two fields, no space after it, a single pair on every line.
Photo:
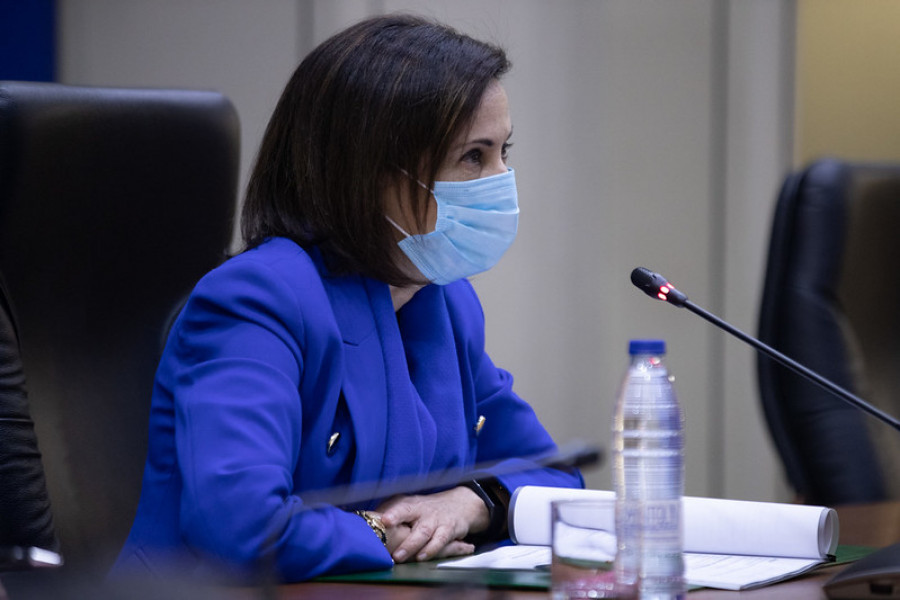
[584,551]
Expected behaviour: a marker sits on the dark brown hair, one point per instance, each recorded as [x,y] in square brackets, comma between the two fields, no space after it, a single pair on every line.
[386,94]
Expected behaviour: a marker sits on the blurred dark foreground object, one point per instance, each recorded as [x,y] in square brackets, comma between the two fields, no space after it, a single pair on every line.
[25,517]
[63,585]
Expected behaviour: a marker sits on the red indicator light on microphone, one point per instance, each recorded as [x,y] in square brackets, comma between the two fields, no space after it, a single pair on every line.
[664,292]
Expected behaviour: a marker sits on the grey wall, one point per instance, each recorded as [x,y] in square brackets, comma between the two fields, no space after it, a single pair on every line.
[647,133]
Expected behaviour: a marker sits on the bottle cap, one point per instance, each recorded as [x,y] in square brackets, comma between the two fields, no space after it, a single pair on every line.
[646,347]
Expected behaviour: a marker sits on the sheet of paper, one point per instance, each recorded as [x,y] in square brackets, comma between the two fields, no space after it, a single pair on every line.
[504,558]
[731,572]
[727,572]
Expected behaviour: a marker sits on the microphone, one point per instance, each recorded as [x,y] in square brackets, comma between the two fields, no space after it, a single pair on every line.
[657,286]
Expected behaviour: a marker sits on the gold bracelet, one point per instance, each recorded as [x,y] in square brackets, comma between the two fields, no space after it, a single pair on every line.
[373,520]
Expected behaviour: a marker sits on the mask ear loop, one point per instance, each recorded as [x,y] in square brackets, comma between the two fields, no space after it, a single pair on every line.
[423,186]
[394,223]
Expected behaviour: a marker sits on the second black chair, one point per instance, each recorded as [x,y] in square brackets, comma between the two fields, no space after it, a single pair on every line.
[830,302]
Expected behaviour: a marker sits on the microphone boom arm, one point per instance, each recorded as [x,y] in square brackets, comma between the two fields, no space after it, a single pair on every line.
[657,286]
[795,366]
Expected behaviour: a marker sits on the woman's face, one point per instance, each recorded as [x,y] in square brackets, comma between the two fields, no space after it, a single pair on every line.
[479,151]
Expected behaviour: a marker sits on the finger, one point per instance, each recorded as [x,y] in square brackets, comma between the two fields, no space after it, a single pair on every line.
[396,536]
[456,548]
[441,537]
[418,537]
[405,510]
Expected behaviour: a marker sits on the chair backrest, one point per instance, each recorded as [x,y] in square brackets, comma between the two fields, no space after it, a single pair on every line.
[830,302]
[113,202]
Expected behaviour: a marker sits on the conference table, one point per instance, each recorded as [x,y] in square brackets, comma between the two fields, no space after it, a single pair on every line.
[875,525]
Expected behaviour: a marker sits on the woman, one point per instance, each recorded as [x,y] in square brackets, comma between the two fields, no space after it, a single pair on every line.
[343,351]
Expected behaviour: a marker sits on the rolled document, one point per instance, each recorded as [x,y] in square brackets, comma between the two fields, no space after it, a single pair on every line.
[711,525]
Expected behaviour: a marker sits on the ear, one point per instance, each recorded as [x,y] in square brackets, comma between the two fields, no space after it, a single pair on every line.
[406,201]
[394,198]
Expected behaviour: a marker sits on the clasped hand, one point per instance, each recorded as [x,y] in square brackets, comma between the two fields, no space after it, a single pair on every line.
[433,525]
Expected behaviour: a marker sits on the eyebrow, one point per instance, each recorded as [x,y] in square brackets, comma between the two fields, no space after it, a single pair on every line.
[486,141]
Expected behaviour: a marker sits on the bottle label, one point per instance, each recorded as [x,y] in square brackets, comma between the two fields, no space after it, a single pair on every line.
[662,515]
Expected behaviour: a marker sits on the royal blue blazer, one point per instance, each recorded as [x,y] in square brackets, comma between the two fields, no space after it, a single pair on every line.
[270,358]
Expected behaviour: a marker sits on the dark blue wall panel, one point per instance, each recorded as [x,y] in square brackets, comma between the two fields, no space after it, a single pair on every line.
[28,40]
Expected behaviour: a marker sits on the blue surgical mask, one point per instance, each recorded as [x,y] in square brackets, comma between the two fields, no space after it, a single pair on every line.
[476,223]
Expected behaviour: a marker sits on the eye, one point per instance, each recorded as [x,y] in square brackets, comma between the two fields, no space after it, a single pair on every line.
[504,150]
[473,156]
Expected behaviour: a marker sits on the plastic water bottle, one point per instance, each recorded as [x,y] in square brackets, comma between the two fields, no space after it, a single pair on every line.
[648,471]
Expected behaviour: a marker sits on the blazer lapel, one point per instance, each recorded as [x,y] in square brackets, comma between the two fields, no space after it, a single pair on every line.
[363,380]
[385,410]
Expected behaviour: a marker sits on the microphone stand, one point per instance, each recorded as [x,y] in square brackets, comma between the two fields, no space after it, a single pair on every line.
[795,366]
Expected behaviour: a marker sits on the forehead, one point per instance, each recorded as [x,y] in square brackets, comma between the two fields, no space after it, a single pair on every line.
[492,116]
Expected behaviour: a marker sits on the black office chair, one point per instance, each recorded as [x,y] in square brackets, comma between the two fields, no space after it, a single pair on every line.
[830,302]
[113,202]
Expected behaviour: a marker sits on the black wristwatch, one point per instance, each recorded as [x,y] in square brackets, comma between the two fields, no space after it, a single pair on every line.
[496,499]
